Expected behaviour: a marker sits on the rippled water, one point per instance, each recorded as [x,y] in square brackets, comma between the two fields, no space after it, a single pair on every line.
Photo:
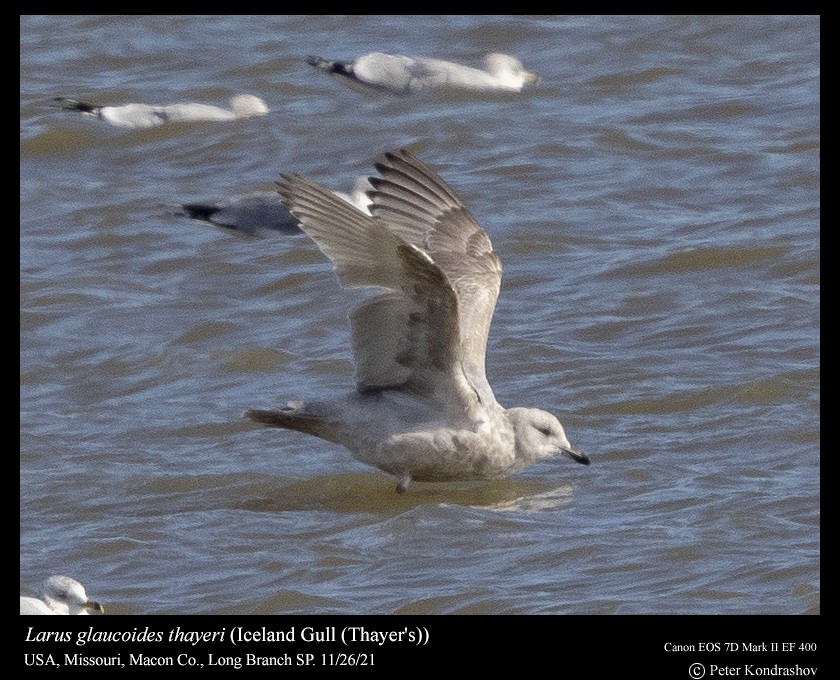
[655,202]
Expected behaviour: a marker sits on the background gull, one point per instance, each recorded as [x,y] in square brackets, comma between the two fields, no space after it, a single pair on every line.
[401,74]
[61,595]
[152,115]
[422,408]
[262,212]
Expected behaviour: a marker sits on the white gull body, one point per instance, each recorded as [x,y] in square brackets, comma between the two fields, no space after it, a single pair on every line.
[153,115]
[401,74]
[422,408]
[61,595]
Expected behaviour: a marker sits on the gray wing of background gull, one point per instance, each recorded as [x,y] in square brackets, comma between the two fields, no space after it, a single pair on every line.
[254,214]
[262,213]
[426,332]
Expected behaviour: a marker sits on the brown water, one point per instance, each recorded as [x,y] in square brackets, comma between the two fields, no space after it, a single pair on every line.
[655,202]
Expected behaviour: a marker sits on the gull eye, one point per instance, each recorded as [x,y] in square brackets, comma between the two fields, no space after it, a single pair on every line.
[545,430]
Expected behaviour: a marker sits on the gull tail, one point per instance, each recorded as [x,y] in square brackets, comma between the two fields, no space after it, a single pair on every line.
[295,416]
[74,105]
[199,211]
[343,68]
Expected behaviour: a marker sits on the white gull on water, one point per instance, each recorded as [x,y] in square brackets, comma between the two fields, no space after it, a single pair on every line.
[263,212]
[152,115]
[401,74]
[422,408]
[61,595]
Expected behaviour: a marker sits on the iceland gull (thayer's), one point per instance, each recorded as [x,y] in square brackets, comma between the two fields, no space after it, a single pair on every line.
[422,409]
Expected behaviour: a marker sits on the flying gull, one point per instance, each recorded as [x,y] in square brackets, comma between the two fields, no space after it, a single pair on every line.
[152,115]
[62,595]
[400,74]
[422,409]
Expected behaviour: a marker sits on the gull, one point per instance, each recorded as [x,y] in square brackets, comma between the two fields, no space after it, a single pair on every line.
[152,115]
[62,595]
[262,212]
[359,197]
[422,408]
[401,74]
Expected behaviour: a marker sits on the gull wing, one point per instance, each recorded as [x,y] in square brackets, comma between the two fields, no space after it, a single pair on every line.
[420,208]
[406,337]
[388,71]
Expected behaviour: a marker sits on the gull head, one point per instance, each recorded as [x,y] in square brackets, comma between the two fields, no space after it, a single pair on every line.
[540,435]
[69,593]
[509,70]
[247,105]
[66,595]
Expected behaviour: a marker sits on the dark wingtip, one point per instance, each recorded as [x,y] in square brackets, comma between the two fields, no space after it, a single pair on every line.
[389,159]
[342,68]
[199,211]
[75,105]
[326,65]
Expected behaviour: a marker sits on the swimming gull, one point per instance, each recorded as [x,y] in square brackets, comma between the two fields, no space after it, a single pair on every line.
[152,115]
[62,595]
[422,408]
[262,212]
[401,74]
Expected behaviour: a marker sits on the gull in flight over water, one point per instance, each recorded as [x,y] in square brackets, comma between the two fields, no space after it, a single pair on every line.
[400,74]
[62,595]
[422,408]
[153,115]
